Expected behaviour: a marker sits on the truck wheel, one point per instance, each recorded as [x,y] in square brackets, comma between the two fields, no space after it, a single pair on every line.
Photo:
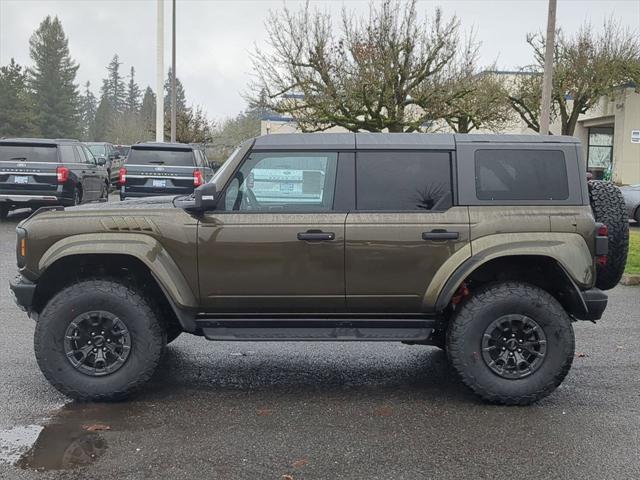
[609,208]
[98,340]
[4,212]
[511,343]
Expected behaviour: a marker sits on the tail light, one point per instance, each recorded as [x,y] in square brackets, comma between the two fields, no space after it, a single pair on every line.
[603,230]
[63,174]
[602,244]
[197,178]
[122,176]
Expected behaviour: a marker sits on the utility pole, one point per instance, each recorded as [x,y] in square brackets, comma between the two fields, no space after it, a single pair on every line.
[160,73]
[547,81]
[173,74]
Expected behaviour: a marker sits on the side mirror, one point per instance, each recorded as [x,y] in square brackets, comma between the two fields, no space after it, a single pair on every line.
[205,197]
[101,161]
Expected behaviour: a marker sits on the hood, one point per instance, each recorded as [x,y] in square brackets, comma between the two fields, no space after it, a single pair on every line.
[147,202]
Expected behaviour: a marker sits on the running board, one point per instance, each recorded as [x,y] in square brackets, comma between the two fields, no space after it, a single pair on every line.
[363,330]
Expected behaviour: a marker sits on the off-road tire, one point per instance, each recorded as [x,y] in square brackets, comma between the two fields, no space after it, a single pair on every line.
[479,310]
[138,313]
[609,208]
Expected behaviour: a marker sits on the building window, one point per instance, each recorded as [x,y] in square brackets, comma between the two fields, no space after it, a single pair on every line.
[600,153]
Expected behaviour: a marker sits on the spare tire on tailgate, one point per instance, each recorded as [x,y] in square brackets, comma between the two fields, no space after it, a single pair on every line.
[609,208]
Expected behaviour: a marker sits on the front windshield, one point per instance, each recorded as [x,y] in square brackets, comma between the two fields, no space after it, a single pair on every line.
[97,150]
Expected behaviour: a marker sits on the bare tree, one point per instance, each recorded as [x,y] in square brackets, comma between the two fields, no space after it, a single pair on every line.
[586,67]
[484,103]
[386,71]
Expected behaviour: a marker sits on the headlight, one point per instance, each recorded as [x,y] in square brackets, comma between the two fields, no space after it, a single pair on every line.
[21,246]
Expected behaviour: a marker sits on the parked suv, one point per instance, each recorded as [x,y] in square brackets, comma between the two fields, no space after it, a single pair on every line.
[37,172]
[483,245]
[163,169]
[107,154]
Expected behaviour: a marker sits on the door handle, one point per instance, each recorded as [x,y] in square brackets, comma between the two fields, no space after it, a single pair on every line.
[316,236]
[439,234]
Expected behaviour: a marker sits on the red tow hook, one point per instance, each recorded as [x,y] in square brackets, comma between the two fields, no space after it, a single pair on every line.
[462,292]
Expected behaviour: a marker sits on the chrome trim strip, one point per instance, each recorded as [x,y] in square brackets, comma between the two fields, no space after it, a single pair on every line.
[23,198]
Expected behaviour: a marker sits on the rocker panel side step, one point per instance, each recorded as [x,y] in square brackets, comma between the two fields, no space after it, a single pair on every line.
[368,330]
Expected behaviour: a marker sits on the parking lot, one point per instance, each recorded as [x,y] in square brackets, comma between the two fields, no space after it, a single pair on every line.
[316,411]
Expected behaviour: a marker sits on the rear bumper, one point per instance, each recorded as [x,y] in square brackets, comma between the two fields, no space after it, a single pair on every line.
[23,292]
[594,302]
[140,193]
[23,198]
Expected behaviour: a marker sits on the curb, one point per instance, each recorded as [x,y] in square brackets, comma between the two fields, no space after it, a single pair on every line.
[630,279]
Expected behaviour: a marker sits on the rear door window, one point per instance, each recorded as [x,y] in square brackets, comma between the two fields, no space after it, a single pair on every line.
[28,153]
[521,175]
[403,181]
[159,156]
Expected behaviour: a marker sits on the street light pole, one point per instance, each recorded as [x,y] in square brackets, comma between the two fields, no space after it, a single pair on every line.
[160,73]
[547,81]
[173,74]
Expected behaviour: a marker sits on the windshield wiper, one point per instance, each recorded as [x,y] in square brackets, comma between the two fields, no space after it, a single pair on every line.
[157,162]
[18,158]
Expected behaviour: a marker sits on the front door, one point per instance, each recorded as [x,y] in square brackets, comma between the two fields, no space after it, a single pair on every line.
[403,229]
[275,243]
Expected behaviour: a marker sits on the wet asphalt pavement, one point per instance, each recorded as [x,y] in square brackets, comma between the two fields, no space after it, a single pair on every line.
[321,411]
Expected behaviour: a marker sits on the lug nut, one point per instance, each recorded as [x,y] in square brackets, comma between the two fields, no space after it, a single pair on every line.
[104,349]
[93,334]
[513,334]
[519,349]
[89,342]
[95,349]
[102,333]
[504,339]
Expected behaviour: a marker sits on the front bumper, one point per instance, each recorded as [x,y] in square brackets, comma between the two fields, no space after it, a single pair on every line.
[23,292]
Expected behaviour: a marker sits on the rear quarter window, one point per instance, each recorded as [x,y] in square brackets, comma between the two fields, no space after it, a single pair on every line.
[521,175]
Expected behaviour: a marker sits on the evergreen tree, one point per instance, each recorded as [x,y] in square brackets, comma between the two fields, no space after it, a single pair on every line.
[105,120]
[148,113]
[16,110]
[133,93]
[52,81]
[113,87]
[181,98]
[88,107]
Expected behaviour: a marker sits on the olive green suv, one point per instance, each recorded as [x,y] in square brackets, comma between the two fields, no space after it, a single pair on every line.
[488,246]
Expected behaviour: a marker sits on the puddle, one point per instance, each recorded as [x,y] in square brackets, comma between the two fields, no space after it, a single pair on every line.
[73,437]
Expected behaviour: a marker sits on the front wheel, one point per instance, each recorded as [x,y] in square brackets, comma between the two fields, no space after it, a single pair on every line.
[98,340]
[511,343]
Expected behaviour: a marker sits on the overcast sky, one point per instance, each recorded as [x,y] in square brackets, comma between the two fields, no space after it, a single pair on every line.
[215,37]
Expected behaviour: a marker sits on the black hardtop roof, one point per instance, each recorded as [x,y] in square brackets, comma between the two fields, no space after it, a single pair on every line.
[383,141]
[45,142]
[162,146]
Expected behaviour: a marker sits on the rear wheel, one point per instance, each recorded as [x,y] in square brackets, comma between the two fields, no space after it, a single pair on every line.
[511,343]
[104,195]
[4,212]
[98,340]
[77,197]
[609,208]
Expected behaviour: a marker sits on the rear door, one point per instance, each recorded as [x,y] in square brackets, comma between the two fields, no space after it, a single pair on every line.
[404,228]
[276,241]
[28,168]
